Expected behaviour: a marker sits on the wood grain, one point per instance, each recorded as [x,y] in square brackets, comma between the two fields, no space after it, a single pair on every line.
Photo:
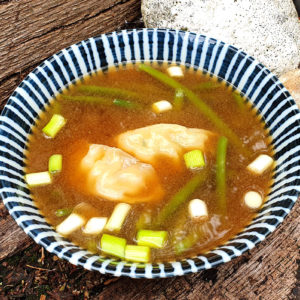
[32,30]
[12,237]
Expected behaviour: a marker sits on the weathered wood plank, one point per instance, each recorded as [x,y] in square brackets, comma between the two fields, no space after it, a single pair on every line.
[12,237]
[31,30]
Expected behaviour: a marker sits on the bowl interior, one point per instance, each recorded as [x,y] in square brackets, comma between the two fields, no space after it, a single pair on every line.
[257,83]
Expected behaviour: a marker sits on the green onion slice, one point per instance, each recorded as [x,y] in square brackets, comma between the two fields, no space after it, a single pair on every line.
[63,212]
[137,253]
[56,123]
[151,238]
[55,163]
[113,245]
[37,179]
[194,159]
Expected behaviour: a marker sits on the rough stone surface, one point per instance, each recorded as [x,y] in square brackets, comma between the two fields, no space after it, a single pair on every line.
[269,30]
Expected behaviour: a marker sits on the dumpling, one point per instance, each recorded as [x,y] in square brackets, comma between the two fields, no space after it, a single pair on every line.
[115,175]
[169,141]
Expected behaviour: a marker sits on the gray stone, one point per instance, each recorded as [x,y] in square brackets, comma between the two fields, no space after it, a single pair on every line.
[269,30]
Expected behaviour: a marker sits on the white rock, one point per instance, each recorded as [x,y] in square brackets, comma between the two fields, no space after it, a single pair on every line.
[268,30]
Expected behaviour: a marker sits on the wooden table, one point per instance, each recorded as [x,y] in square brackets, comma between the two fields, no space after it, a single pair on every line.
[32,30]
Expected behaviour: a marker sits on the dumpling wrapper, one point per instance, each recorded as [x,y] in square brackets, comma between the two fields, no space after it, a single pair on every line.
[169,141]
[115,175]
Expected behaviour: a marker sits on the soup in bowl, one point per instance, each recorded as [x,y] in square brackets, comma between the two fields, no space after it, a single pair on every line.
[149,153]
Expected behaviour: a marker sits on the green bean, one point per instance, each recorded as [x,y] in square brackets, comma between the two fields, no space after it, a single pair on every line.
[180,197]
[178,99]
[63,212]
[221,174]
[93,90]
[202,106]
[126,104]
[89,99]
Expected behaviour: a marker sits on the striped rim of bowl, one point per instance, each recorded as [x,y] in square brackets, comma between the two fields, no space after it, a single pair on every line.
[213,57]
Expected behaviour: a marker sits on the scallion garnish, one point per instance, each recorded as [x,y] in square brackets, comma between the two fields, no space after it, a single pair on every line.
[56,123]
[151,238]
[39,178]
[113,245]
[194,159]
[137,253]
[55,163]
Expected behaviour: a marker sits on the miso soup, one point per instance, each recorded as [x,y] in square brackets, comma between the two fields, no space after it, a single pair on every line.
[149,163]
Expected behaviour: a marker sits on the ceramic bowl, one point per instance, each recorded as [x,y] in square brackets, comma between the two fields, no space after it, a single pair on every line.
[213,57]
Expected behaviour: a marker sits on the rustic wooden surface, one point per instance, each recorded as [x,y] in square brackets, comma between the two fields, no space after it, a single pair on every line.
[32,30]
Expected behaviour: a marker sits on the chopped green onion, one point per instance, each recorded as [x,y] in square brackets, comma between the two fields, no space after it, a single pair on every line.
[113,245]
[94,225]
[93,90]
[221,173]
[72,223]
[55,163]
[126,104]
[39,178]
[161,106]
[261,164]
[118,216]
[198,210]
[194,159]
[137,253]
[151,238]
[63,212]
[202,106]
[175,71]
[56,123]
[180,197]
[178,99]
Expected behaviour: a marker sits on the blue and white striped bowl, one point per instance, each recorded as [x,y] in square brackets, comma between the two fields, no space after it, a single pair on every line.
[262,88]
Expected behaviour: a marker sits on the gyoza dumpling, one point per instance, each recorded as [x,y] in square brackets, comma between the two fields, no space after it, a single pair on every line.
[169,141]
[115,175]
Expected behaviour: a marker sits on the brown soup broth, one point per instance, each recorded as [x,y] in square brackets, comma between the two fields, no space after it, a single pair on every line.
[100,124]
